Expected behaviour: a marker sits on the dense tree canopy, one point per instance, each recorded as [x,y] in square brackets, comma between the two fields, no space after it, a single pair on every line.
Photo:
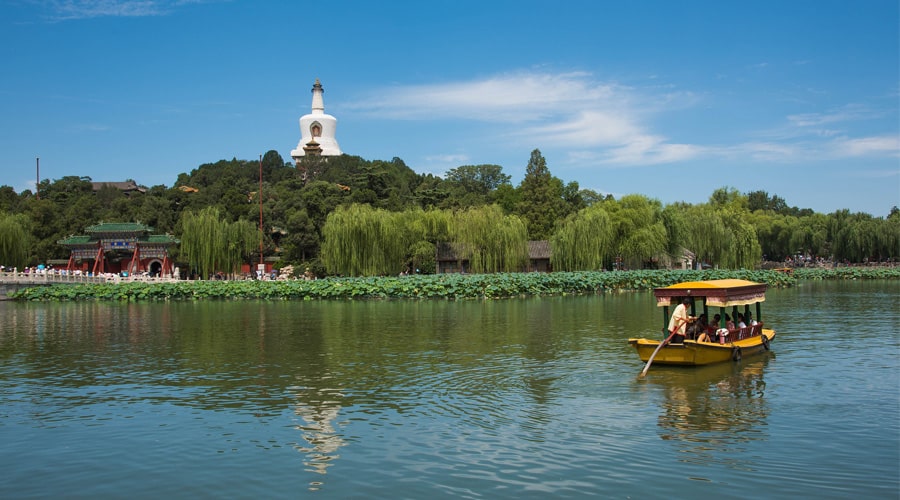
[476,206]
[541,201]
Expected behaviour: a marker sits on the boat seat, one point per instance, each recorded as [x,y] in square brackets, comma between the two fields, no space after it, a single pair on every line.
[757,329]
[748,331]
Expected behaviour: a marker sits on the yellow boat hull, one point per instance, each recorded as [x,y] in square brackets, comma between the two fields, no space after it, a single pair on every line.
[693,353]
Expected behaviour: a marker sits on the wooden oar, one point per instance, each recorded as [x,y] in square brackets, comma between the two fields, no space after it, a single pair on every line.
[664,342]
[661,344]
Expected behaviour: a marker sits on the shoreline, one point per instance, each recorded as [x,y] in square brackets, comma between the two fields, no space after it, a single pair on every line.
[419,287]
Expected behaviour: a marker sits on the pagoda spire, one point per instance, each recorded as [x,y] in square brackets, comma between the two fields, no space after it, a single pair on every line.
[318,104]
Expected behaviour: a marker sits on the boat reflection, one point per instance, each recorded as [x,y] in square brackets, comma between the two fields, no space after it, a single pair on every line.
[706,410]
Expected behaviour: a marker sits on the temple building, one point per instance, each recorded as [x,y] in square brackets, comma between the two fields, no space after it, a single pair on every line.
[317,130]
[120,248]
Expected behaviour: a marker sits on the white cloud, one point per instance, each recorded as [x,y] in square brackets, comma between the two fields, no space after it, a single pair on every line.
[604,123]
[650,150]
[845,114]
[877,174]
[866,146]
[62,10]
[762,151]
[587,128]
[448,158]
[569,109]
[90,127]
[831,149]
[66,10]
[514,98]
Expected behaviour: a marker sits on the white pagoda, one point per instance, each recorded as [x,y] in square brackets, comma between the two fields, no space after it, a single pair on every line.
[317,130]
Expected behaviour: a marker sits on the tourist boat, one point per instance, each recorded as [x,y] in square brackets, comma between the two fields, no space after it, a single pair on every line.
[710,297]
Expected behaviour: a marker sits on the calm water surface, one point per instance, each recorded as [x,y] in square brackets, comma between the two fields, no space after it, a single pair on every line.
[527,398]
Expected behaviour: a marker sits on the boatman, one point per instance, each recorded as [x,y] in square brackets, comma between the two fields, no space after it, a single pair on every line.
[679,321]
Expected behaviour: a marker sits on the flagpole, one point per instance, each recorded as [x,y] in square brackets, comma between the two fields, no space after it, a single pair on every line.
[261,264]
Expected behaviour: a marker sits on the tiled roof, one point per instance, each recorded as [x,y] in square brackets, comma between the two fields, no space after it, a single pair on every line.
[539,249]
[119,227]
[132,231]
[76,240]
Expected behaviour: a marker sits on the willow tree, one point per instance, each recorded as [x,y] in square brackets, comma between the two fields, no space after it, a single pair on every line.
[706,235]
[211,244]
[746,252]
[241,241]
[201,240]
[14,240]
[722,236]
[891,237]
[359,240]
[811,235]
[489,240]
[425,229]
[639,231]
[776,232]
[583,242]
[860,237]
[673,219]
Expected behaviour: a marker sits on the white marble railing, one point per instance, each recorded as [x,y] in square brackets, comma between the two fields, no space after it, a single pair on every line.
[38,277]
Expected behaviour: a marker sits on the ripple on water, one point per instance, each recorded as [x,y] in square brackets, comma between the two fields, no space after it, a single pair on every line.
[489,400]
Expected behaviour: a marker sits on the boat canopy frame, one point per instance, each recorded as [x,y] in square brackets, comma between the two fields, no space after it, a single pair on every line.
[716,293]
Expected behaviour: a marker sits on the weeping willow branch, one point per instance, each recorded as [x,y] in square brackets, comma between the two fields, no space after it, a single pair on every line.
[210,244]
[362,241]
[14,240]
[490,240]
[583,241]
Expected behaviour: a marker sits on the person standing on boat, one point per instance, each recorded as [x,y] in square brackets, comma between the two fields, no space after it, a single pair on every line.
[680,318]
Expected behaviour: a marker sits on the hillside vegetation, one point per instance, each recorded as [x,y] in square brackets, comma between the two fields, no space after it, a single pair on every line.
[354,217]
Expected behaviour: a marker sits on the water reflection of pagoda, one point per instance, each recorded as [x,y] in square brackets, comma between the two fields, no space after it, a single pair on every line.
[120,247]
[319,414]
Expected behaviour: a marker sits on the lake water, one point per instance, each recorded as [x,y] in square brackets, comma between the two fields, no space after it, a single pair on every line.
[524,398]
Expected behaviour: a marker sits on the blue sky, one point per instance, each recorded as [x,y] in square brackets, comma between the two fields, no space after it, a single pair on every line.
[670,99]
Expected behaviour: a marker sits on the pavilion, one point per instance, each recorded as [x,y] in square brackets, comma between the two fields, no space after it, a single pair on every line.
[120,247]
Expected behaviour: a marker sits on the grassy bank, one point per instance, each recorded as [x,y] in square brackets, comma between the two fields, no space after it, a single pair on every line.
[445,286]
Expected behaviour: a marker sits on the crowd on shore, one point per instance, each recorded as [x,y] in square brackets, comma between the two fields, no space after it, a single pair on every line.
[49,272]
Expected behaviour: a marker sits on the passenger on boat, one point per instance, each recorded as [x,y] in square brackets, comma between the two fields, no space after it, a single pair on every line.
[697,328]
[750,320]
[741,323]
[709,334]
[679,321]
[702,321]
